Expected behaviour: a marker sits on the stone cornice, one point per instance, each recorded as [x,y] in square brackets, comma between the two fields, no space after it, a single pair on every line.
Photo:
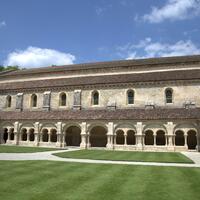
[103,86]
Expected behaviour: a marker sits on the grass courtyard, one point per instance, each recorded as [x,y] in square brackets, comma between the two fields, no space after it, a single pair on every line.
[127,156]
[49,180]
[20,149]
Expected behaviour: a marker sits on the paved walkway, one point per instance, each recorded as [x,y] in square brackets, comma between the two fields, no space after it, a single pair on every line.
[47,155]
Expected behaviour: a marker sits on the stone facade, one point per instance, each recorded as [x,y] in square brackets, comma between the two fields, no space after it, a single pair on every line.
[150,104]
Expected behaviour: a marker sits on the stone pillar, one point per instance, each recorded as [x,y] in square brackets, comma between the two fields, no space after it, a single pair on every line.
[110,135]
[170,134]
[63,139]
[36,133]
[185,138]
[154,138]
[16,133]
[83,144]
[49,136]
[28,135]
[125,138]
[198,136]
[59,134]
[139,129]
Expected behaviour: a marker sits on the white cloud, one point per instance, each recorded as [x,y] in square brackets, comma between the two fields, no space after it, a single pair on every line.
[37,57]
[3,23]
[147,49]
[101,10]
[174,10]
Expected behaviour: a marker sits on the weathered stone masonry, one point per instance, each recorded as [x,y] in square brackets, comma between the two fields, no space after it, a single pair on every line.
[149,104]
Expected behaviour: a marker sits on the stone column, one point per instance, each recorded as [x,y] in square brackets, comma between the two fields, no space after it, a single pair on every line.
[125,137]
[36,133]
[83,144]
[154,138]
[139,129]
[59,134]
[198,136]
[170,134]
[16,133]
[185,138]
[28,135]
[49,136]
[110,135]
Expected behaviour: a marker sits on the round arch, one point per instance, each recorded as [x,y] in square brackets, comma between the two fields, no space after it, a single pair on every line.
[192,139]
[124,126]
[45,135]
[98,136]
[160,137]
[53,135]
[23,134]
[148,137]
[179,138]
[73,136]
[131,140]
[11,132]
[31,135]
[120,139]
[5,135]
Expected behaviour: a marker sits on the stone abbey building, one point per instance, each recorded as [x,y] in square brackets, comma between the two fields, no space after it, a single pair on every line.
[145,104]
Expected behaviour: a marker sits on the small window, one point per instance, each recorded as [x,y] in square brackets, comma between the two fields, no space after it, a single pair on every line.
[168,95]
[63,99]
[95,98]
[130,97]
[8,101]
[34,100]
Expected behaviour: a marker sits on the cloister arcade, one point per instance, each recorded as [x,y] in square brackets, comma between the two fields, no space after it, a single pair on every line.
[155,137]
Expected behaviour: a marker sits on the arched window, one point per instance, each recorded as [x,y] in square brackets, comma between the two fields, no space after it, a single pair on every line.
[95,98]
[33,100]
[8,101]
[130,97]
[63,99]
[168,95]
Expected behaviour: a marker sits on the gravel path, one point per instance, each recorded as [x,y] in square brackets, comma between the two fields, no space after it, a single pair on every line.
[195,156]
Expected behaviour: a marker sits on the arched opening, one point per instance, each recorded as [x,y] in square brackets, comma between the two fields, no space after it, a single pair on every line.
[131,137]
[31,135]
[5,135]
[130,97]
[120,137]
[169,95]
[192,139]
[179,138]
[33,100]
[8,101]
[149,137]
[160,138]
[63,99]
[12,136]
[95,98]
[73,136]
[98,137]
[45,136]
[24,134]
[53,134]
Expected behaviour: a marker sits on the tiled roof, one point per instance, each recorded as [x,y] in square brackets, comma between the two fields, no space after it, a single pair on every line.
[106,79]
[147,63]
[119,114]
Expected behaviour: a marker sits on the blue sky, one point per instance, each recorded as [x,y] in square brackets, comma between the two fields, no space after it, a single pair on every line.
[35,33]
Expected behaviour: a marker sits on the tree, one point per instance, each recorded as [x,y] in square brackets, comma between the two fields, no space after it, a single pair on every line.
[3,68]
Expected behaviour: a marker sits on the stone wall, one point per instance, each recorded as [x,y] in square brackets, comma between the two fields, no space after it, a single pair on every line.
[143,94]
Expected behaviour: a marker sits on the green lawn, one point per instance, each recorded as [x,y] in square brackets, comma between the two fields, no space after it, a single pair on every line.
[20,149]
[127,156]
[47,180]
